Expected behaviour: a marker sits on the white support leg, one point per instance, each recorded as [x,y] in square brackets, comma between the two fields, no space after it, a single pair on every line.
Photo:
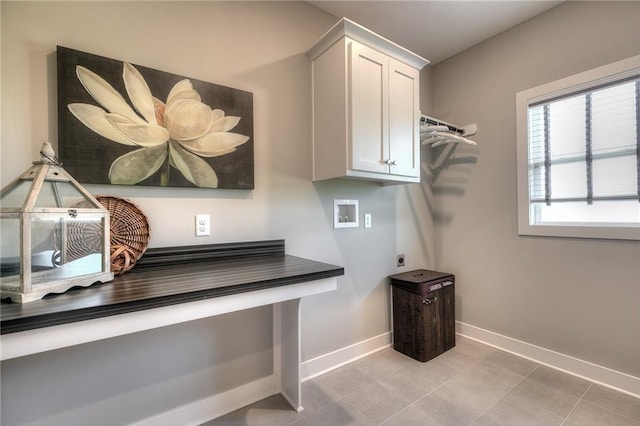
[277,348]
[290,357]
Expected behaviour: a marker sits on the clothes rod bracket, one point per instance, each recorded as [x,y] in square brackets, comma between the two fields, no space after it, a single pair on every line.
[469,130]
[436,132]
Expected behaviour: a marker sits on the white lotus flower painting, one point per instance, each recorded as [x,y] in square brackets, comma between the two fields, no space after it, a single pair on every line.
[124,124]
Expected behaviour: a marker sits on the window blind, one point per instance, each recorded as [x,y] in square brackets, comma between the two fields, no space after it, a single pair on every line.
[585,146]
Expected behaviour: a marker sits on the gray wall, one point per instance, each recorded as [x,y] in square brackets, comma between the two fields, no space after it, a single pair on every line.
[258,47]
[579,297]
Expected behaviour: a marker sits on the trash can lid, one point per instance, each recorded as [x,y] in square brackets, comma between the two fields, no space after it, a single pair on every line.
[420,276]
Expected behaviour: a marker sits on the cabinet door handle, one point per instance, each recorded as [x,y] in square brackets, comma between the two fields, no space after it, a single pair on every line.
[390,163]
[428,301]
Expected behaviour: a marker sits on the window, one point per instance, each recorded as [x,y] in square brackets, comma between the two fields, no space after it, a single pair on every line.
[578,162]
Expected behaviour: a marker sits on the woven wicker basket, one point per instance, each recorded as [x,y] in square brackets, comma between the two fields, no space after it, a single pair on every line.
[130,233]
[82,239]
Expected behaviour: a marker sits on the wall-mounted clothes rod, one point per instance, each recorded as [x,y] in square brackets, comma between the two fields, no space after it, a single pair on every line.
[436,132]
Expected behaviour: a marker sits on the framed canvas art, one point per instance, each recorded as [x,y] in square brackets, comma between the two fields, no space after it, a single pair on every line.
[125,124]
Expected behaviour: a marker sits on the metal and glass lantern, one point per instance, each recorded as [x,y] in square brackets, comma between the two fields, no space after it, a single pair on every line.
[55,235]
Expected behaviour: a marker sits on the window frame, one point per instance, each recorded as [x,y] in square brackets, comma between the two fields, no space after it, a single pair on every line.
[579,82]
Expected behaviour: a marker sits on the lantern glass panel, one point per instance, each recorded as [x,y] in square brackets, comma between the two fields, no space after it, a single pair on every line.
[64,247]
[10,254]
[15,196]
[60,194]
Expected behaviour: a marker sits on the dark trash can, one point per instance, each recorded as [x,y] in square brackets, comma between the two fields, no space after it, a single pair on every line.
[423,313]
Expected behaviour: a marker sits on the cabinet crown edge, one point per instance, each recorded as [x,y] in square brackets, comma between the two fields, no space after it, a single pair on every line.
[347,28]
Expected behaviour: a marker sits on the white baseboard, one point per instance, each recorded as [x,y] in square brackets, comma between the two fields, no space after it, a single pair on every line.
[577,367]
[327,362]
[203,410]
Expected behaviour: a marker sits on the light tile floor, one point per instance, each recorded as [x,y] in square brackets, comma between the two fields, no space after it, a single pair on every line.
[470,384]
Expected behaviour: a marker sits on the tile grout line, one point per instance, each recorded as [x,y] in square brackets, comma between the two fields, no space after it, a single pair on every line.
[439,386]
[428,393]
[501,397]
[425,395]
[566,419]
[595,404]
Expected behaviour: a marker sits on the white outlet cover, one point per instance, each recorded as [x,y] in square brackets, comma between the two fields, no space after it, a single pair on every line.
[203,225]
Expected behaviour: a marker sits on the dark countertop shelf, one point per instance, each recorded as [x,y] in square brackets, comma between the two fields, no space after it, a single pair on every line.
[169,276]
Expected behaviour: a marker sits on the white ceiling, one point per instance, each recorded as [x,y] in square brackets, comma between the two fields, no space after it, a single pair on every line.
[437,30]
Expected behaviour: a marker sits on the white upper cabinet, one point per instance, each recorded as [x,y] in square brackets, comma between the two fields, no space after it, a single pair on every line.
[366,114]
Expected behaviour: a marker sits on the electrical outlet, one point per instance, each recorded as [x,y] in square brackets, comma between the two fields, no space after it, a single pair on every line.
[203,225]
[400,260]
[367,220]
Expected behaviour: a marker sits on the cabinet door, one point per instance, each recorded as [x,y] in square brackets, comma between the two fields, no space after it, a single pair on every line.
[369,77]
[404,119]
